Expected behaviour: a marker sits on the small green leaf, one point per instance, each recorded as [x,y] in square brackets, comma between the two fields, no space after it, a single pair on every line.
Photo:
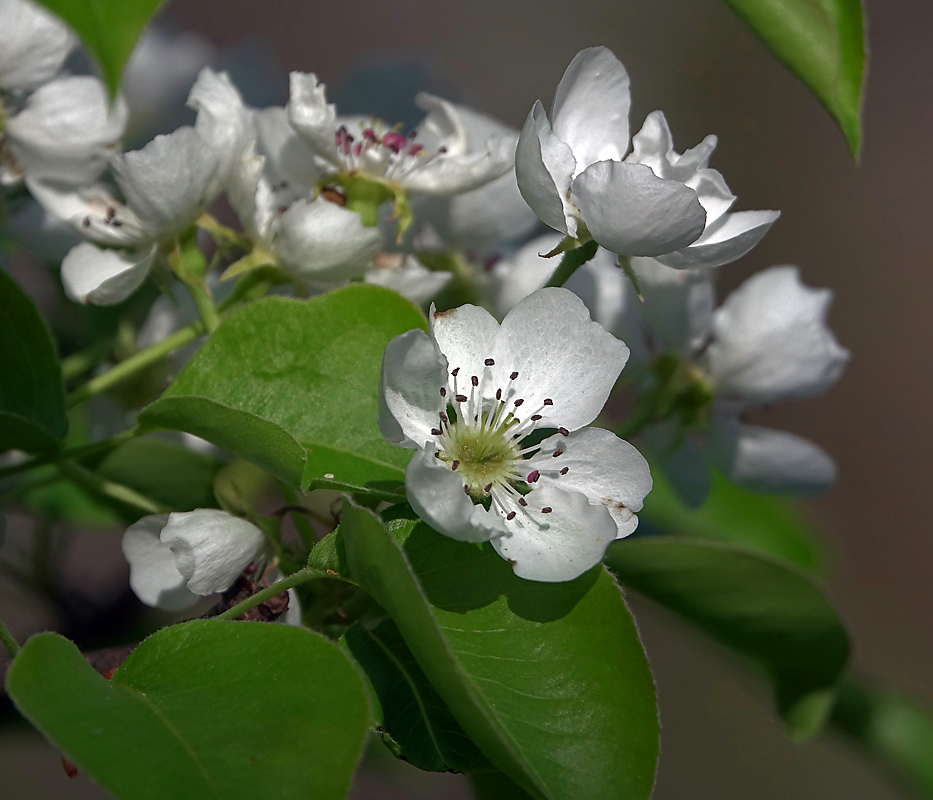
[206,710]
[549,679]
[732,514]
[292,386]
[892,728]
[824,42]
[413,714]
[32,397]
[762,607]
[109,29]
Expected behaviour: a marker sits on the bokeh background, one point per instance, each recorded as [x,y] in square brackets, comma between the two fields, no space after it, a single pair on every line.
[862,230]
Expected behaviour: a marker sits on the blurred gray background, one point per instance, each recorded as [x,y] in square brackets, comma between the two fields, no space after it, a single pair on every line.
[862,230]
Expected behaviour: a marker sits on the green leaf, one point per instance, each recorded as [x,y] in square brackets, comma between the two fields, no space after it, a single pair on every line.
[767,524]
[202,710]
[109,29]
[292,386]
[414,717]
[32,397]
[824,42]
[760,606]
[891,728]
[549,680]
[167,472]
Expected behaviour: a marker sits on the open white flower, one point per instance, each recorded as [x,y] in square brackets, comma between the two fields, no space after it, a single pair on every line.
[434,159]
[468,396]
[166,185]
[766,343]
[573,171]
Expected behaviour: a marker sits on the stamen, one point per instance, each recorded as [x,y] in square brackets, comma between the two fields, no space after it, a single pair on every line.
[546,510]
[487,487]
[456,372]
[456,464]
[548,401]
[519,402]
[443,416]
[436,432]
[443,392]
[461,398]
[565,470]
[522,501]
[474,380]
[498,394]
[510,516]
[513,376]
[489,362]
[535,417]
[557,453]
[533,476]
[563,432]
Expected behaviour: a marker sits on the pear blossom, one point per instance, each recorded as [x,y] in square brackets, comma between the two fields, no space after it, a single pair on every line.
[166,185]
[575,170]
[375,162]
[34,44]
[468,395]
[407,276]
[766,343]
[176,558]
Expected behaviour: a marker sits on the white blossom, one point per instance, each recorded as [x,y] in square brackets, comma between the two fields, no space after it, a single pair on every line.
[407,276]
[573,170]
[435,158]
[34,44]
[467,396]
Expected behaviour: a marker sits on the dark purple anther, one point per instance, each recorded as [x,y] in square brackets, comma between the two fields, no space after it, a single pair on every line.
[461,398]
[565,470]
[474,380]
[394,141]
[510,516]
[518,402]
[563,432]
[522,501]
[455,465]
[443,392]
[557,453]
[548,401]
[487,487]
[513,376]
[498,394]
[489,362]
[546,510]
[456,372]
[443,417]
[415,149]
[535,417]
[533,476]
[436,432]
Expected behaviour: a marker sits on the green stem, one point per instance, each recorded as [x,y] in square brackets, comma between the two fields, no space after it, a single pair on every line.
[9,642]
[571,262]
[77,364]
[110,489]
[205,306]
[295,579]
[71,453]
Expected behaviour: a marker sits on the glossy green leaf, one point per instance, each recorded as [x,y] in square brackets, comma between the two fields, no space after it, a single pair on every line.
[891,728]
[32,397]
[417,724]
[202,711]
[550,680]
[762,607]
[768,524]
[824,42]
[109,29]
[292,386]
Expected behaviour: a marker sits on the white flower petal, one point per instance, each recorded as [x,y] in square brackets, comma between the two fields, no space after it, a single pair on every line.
[448,174]
[560,355]
[442,127]
[560,545]
[526,271]
[736,234]
[33,44]
[678,306]
[312,116]
[653,145]
[631,211]
[288,157]
[154,578]
[103,277]
[436,494]
[607,470]
[92,212]
[771,341]
[211,547]
[167,182]
[223,122]
[591,108]
[481,219]
[413,373]
[412,280]
[766,460]
[466,337]
[544,168]
[67,131]
[324,243]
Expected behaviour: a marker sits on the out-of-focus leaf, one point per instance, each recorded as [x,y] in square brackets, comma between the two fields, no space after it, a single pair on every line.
[206,710]
[732,514]
[824,42]
[761,607]
[892,728]
[32,397]
[109,29]
[549,679]
[292,386]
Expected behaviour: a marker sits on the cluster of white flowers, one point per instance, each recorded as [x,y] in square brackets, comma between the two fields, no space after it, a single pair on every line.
[497,413]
